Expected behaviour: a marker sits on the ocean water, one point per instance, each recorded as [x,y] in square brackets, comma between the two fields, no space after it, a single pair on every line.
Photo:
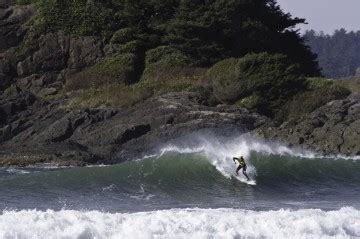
[188,190]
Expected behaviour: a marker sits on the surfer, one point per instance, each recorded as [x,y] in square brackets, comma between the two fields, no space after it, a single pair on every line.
[242,165]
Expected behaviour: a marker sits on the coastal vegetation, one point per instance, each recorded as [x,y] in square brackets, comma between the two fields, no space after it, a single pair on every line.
[246,53]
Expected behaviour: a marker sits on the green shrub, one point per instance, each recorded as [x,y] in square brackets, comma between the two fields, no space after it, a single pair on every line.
[253,102]
[133,47]
[166,55]
[222,81]
[271,78]
[117,69]
[168,69]
[123,36]
[308,101]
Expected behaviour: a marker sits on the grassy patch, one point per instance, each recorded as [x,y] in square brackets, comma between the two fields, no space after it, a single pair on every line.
[122,96]
[352,84]
[173,80]
[118,69]
[252,102]
[318,82]
[308,101]
[112,95]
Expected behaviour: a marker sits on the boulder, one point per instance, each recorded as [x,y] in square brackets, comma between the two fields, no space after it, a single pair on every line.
[53,52]
[47,92]
[58,131]
[84,51]
[26,67]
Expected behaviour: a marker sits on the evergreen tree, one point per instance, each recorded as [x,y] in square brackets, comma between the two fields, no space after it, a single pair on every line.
[338,54]
[206,31]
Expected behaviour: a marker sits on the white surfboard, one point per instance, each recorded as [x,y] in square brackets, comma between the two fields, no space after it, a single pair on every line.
[244,180]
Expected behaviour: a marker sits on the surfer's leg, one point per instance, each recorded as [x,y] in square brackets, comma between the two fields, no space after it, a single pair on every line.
[238,169]
[244,172]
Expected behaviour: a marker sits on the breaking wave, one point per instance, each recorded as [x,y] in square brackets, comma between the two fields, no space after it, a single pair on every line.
[182,223]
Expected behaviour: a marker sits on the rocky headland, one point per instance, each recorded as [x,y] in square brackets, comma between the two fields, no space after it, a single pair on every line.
[37,127]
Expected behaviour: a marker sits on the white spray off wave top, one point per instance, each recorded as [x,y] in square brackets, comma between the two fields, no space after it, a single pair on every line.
[220,151]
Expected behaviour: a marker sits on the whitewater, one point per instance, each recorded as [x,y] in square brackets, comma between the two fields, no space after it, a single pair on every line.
[186,223]
[187,190]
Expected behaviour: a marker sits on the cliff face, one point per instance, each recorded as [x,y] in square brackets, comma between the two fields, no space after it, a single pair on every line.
[35,128]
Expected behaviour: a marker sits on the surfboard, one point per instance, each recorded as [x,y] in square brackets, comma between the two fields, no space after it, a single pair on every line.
[244,180]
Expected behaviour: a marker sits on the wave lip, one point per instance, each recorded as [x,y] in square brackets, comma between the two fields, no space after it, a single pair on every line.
[182,223]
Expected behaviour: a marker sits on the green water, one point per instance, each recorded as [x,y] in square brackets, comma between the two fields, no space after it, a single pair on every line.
[177,180]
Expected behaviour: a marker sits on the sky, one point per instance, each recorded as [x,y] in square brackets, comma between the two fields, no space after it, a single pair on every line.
[325,15]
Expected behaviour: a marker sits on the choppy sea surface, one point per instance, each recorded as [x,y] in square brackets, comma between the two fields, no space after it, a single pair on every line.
[187,192]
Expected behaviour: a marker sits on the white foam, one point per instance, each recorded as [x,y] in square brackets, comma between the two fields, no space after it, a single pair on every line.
[17,171]
[182,223]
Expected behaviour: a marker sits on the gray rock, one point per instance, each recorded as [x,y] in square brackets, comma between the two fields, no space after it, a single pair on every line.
[12,24]
[6,3]
[26,82]
[26,67]
[331,129]
[6,74]
[40,85]
[53,52]
[58,131]
[84,51]
[106,136]
[47,91]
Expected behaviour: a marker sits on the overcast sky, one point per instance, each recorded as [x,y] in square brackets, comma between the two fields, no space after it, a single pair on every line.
[325,15]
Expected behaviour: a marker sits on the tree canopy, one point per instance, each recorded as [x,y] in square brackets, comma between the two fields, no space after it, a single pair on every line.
[338,54]
[206,31]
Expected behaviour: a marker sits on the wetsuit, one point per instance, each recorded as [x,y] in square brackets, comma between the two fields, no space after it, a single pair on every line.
[242,165]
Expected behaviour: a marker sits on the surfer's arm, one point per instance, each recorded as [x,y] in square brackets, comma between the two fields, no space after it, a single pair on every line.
[235,159]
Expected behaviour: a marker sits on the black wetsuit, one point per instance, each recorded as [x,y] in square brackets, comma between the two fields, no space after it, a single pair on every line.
[242,165]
